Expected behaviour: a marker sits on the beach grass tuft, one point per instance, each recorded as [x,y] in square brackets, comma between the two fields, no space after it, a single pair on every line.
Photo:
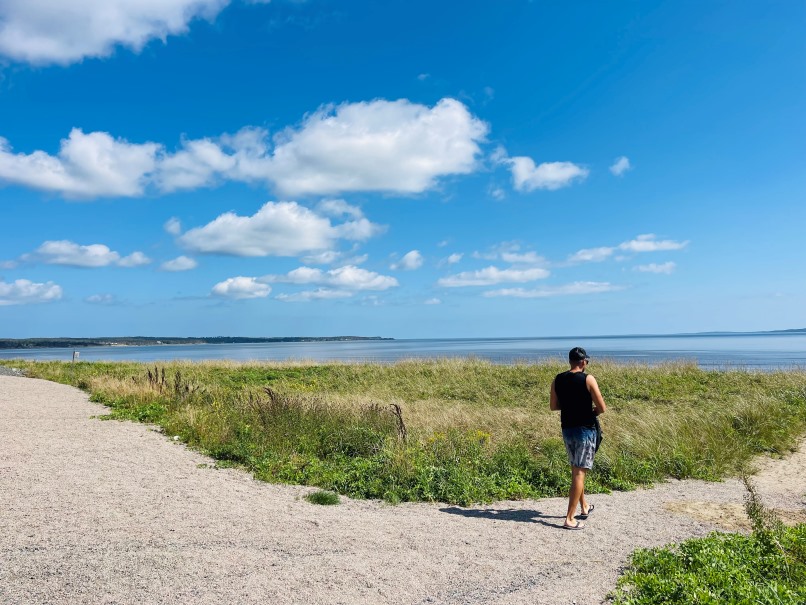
[323,497]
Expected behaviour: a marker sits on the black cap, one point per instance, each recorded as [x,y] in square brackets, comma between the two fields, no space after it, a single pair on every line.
[577,354]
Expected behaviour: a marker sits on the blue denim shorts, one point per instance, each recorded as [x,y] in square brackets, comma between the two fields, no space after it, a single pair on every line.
[580,443]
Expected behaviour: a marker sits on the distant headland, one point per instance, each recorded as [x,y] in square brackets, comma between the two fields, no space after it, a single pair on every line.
[133,341]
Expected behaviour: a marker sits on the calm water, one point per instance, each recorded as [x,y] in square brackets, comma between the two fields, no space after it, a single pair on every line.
[762,351]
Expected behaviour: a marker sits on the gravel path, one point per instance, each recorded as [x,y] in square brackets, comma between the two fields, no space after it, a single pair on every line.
[114,512]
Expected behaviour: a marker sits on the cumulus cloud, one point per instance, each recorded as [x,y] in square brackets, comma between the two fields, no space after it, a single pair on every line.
[643,243]
[388,146]
[339,208]
[309,295]
[23,292]
[380,145]
[135,259]
[492,275]
[65,252]
[330,257]
[410,261]
[277,229]
[583,287]
[244,156]
[55,31]
[621,165]
[664,268]
[173,226]
[526,176]
[239,288]
[348,277]
[180,263]
[86,166]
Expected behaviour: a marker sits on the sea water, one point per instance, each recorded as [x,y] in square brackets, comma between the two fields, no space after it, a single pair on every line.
[748,350]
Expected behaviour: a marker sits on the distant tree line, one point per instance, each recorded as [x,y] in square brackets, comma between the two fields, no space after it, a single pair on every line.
[34,343]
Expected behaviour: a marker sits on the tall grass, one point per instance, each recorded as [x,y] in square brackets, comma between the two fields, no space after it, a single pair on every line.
[452,430]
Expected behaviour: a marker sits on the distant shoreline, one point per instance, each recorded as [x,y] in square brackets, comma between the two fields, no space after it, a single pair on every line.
[134,341]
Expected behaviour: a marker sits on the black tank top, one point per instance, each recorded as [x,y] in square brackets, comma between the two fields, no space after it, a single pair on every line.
[576,403]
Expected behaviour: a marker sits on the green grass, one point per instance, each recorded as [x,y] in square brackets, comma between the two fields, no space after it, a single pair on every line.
[768,567]
[323,497]
[452,430]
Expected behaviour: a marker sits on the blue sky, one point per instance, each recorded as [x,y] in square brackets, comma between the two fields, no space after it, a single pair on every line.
[403,169]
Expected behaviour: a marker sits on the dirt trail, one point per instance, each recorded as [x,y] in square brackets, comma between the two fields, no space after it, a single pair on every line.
[114,512]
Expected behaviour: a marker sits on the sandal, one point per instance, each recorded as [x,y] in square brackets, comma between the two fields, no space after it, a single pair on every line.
[587,514]
[577,525]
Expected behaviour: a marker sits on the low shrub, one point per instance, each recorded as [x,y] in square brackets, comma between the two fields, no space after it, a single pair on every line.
[766,567]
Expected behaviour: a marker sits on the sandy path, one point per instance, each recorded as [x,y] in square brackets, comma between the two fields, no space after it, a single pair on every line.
[113,512]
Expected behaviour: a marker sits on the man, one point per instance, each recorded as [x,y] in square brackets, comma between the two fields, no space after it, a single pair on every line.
[577,396]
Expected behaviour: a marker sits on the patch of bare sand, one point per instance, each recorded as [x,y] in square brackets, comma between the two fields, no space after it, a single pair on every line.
[107,512]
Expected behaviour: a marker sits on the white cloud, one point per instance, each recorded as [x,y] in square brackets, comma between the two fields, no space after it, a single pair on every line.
[585,287]
[339,208]
[621,165]
[649,243]
[395,146]
[592,255]
[497,193]
[524,258]
[643,243]
[509,252]
[101,299]
[548,175]
[388,146]
[239,288]
[243,156]
[433,301]
[23,291]
[173,226]
[135,259]
[65,252]
[277,229]
[87,165]
[492,275]
[309,295]
[348,277]
[180,263]
[410,261]
[664,268]
[59,31]
[330,257]
[452,259]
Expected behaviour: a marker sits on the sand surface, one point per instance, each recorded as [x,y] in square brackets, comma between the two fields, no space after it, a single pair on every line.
[109,512]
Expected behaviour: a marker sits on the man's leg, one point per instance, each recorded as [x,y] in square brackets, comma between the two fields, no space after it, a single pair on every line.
[583,503]
[576,493]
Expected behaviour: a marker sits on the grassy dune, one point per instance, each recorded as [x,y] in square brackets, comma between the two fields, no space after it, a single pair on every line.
[452,430]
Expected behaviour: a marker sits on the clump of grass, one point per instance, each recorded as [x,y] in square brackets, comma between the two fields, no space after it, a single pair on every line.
[768,566]
[451,430]
[323,497]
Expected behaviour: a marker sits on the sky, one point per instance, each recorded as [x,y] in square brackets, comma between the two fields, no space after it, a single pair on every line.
[401,169]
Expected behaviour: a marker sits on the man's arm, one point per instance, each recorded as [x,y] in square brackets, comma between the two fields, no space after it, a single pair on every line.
[554,403]
[596,395]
